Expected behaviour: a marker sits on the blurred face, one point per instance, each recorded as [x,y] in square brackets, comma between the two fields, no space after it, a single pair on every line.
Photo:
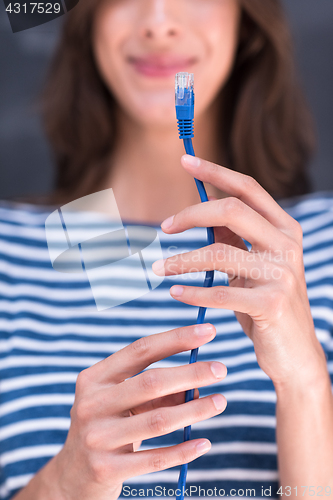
[140,45]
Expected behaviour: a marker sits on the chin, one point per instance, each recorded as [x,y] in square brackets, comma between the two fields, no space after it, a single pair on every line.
[158,116]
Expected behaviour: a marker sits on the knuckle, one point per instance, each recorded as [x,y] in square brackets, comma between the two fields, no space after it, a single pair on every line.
[232,205]
[151,382]
[276,304]
[82,381]
[141,347]
[249,183]
[179,335]
[297,230]
[289,280]
[293,255]
[201,371]
[221,295]
[99,469]
[293,249]
[185,214]
[158,423]
[183,456]
[219,251]
[83,410]
[202,410]
[158,461]
[91,440]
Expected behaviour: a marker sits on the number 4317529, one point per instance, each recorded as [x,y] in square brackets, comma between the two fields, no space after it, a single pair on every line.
[38,8]
[318,491]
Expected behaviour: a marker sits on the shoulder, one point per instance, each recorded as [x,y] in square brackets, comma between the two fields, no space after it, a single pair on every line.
[315,214]
[309,205]
[313,211]
[22,230]
[21,219]
[22,214]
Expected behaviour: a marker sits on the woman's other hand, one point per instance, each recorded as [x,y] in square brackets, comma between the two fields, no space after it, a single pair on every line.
[116,407]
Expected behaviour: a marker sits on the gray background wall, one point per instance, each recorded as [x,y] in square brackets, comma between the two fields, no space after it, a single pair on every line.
[25,163]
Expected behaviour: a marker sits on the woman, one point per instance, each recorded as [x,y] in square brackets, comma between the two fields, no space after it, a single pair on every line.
[109,113]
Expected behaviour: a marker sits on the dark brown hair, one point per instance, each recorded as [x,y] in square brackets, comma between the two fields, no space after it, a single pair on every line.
[266,129]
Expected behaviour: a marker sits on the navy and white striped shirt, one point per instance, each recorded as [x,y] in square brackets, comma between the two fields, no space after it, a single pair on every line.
[48,335]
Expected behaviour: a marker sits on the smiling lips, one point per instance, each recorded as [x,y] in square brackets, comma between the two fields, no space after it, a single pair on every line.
[160,66]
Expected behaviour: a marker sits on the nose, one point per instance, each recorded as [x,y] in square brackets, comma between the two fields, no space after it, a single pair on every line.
[157,21]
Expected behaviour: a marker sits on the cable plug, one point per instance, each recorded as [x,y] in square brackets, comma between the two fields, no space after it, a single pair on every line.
[184,97]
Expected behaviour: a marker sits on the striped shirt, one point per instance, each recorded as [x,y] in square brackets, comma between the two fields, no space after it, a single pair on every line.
[49,332]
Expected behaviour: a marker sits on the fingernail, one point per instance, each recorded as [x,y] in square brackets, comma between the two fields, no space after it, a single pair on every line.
[203,330]
[158,267]
[167,222]
[203,446]
[218,369]
[177,290]
[193,161]
[219,401]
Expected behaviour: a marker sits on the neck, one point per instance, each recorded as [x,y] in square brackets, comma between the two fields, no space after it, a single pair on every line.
[146,176]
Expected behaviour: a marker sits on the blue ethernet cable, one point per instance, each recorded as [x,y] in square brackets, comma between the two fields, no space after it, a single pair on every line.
[184,96]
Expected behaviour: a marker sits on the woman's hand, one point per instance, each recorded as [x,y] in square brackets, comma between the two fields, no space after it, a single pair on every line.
[267,288]
[116,407]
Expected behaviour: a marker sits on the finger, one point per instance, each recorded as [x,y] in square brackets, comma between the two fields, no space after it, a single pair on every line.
[144,462]
[243,187]
[136,445]
[162,421]
[135,357]
[157,382]
[224,235]
[244,300]
[218,257]
[233,213]
[169,400]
